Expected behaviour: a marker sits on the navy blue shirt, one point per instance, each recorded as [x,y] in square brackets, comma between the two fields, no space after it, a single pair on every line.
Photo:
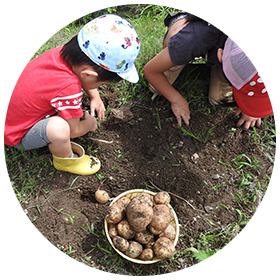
[196,39]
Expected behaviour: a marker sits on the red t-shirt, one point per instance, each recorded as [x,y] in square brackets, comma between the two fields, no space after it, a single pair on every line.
[47,86]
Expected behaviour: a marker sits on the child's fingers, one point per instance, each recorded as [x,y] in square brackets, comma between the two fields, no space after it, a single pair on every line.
[179,121]
[101,114]
[186,119]
[237,113]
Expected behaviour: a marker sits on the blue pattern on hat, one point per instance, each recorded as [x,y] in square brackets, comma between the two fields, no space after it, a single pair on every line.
[112,43]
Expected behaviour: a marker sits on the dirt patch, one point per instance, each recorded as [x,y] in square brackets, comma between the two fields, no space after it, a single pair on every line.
[141,147]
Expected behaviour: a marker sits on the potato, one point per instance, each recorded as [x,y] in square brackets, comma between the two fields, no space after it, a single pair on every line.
[162,198]
[154,230]
[144,197]
[112,230]
[147,255]
[169,232]
[139,212]
[134,249]
[164,248]
[120,243]
[115,215]
[125,230]
[144,237]
[149,245]
[162,216]
[122,202]
[101,196]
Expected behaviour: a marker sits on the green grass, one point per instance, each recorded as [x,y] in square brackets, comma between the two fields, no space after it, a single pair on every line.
[202,136]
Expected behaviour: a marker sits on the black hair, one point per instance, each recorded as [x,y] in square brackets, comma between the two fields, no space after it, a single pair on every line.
[73,55]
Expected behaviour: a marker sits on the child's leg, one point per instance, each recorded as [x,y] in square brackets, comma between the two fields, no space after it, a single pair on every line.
[59,135]
[61,148]
[171,75]
[220,90]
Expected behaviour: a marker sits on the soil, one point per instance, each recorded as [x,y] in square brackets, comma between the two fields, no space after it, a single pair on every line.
[145,149]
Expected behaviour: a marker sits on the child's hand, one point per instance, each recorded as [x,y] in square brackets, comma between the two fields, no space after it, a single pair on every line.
[96,105]
[92,120]
[247,120]
[181,111]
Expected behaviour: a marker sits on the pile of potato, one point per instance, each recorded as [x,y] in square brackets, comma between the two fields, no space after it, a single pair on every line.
[140,227]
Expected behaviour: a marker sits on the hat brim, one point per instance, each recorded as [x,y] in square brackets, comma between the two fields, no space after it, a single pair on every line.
[130,75]
[257,106]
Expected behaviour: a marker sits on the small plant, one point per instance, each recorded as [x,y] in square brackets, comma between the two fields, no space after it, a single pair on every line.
[158,119]
[202,255]
[158,10]
[203,136]
[67,249]
[247,163]
[71,217]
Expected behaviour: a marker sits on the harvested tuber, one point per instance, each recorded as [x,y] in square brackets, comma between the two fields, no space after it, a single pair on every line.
[112,230]
[120,243]
[147,255]
[169,232]
[144,198]
[134,249]
[101,196]
[115,215]
[122,202]
[164,248]
[139,212]
[162,216]
[144,237]
[162,198]
[125,230]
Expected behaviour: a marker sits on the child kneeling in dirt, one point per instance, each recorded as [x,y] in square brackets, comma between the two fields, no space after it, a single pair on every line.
[246,87]
[45,106]
[189,37]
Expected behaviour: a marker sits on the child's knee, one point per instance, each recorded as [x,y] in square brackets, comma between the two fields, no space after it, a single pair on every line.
[58,129]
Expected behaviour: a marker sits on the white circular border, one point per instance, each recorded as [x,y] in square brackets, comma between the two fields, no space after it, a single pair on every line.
[26,25]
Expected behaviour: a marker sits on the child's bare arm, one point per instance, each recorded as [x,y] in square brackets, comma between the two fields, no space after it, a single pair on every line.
[154,73]
[80,127]
[96,104]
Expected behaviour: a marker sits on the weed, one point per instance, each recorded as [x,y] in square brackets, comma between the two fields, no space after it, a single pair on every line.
[156,114]
[265,138]
[158,10]
[202,255]
[28,172]
[67,249]
[71,217]
[91,229]
[202,136]
[247,163]
[102,176]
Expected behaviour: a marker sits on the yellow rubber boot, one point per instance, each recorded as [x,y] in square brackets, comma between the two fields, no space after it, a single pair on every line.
[83,165]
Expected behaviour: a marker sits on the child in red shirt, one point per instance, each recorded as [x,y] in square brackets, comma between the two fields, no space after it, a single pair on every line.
[45,107]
